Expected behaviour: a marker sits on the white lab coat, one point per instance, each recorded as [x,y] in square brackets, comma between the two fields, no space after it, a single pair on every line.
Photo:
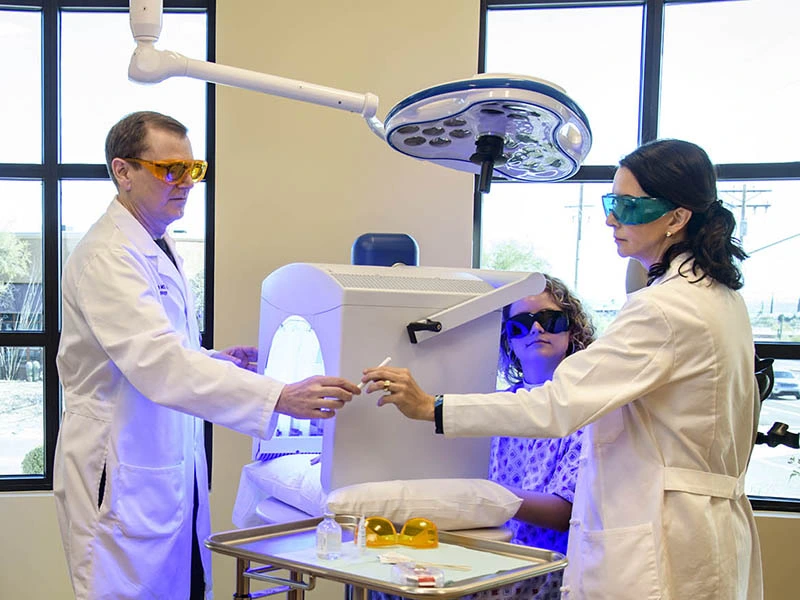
[669,400]
[136,388]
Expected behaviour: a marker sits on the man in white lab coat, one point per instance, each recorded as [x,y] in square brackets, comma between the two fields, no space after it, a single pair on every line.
[667,395]
[130,474]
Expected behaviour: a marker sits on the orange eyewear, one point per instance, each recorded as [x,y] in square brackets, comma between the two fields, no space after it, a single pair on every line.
[173,171]
[417,533]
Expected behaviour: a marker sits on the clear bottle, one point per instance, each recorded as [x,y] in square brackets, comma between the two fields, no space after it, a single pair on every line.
[329,538]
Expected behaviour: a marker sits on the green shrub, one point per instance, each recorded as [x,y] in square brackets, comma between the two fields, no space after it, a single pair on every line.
[33,463]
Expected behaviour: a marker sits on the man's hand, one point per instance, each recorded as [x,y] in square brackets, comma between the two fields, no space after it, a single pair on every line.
[318,397]
[245,357]
[401,389]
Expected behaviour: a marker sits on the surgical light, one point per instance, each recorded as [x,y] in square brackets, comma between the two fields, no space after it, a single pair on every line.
[516,127]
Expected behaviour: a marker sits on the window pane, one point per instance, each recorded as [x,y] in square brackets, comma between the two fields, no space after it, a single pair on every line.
[538,227]
[95,90]
[21,401]
[21,255]
[83,202]
[768,224]
[190,240]
[730,79]
[559,229]
[775,472]
[593,53]
[21,110]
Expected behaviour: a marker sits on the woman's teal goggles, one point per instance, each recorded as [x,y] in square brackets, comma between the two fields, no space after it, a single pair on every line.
[636,210]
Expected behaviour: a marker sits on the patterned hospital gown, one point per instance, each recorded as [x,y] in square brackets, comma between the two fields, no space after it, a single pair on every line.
[542,465]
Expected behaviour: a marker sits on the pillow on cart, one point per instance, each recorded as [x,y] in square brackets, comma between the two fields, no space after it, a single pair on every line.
[452,504]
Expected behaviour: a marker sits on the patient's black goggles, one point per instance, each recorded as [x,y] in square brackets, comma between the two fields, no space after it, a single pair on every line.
[552,321]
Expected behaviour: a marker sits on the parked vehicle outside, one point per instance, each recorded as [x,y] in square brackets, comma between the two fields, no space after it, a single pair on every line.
[786,384]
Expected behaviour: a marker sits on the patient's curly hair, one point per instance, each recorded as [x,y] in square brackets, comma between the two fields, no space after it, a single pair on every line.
[581,330]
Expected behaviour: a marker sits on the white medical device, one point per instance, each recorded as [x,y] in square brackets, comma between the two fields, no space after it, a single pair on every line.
[518,127]
[360,315]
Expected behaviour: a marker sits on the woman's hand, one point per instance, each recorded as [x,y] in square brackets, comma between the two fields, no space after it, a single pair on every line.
[401,389]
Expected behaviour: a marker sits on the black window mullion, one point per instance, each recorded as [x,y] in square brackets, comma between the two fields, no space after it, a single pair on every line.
[208,308]
[51,231]
[82,171]
[124,5]
[760,171]
[22,339]
[21,171]
[650,83]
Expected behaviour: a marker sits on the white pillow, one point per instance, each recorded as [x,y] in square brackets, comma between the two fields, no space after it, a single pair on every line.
[292,479]
[451,504]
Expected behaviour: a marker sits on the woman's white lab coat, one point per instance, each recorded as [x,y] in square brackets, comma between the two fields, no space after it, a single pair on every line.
[669,398]
[137,387]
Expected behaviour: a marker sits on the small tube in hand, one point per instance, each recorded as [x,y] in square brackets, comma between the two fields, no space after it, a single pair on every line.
[384,362]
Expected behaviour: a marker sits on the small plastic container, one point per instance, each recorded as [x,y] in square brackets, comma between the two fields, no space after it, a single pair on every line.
[329,538]
[417,576]
[361,535]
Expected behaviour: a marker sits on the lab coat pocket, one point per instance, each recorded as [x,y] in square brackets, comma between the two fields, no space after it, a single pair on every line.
[620,564]
[149,501]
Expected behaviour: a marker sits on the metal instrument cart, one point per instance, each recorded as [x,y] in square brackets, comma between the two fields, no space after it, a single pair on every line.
[282,548]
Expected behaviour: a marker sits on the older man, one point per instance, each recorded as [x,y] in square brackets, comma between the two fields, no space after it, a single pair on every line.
[130,472]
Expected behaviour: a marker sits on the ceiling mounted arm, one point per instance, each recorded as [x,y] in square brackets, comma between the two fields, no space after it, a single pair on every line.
[150,65]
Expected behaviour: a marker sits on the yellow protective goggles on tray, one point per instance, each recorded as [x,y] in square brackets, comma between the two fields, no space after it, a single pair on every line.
[417,533]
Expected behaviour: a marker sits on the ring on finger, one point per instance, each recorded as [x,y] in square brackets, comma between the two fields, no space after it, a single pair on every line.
[386,385]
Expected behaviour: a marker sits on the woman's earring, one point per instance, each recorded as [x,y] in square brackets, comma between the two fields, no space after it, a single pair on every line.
[668,234]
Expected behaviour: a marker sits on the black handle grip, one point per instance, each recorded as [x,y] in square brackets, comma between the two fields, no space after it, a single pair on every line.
[426,325]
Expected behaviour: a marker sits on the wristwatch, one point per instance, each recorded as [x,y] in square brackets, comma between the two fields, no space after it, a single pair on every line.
[438,403]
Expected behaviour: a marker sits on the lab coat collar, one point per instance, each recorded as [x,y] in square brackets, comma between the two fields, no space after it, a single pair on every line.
[142,240]
[144,244]
[132,229]
[678,269]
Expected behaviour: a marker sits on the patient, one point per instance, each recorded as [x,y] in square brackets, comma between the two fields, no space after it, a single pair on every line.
[542,472]
[538,332]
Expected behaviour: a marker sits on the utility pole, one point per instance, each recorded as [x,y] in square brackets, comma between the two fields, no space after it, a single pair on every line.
[578,238]
[743,202]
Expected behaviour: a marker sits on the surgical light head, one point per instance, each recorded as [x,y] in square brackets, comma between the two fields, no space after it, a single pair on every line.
[523,129]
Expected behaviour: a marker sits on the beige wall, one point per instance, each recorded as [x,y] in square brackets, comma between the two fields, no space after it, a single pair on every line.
[298,182]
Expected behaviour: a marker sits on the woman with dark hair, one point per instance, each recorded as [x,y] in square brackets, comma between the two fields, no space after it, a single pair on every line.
[705,238]
[667,396]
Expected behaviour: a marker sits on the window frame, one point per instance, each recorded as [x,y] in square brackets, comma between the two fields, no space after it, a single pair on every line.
[51,172]
[650,84]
